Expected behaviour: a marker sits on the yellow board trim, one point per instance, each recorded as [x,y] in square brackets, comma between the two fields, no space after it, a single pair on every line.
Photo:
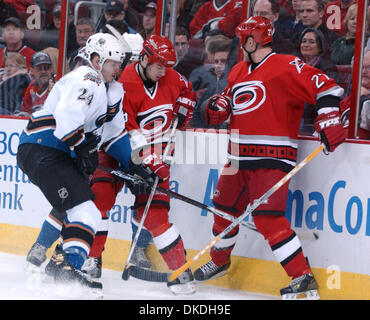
[253,275]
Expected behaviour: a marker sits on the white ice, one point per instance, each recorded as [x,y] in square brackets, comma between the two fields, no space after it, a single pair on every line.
[16,284]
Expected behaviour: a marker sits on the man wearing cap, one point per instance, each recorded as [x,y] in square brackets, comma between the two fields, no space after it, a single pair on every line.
[115,10]
[42,83]
[13,35]
[149,20]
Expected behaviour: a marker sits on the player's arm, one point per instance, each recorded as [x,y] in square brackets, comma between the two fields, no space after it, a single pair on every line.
[327,95]
[185,103]
[70,115]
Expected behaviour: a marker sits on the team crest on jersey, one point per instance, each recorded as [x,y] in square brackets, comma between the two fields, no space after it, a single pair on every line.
[298,63]
[111,112]
[248,96]
[155,121]
[93,77]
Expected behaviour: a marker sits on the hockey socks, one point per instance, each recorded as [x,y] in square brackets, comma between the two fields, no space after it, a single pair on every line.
[48,234]
[284,243]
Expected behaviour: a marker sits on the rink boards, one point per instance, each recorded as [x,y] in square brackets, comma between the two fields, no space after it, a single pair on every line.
[329,197]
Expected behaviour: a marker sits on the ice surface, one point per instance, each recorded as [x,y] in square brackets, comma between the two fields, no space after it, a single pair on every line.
[16,284]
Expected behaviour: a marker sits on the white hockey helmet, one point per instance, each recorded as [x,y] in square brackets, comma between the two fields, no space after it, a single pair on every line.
[106,46]
[135,41]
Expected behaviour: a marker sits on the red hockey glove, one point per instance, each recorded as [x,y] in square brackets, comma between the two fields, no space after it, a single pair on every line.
[157,166]
[184,107]
[218,109]
[330,128]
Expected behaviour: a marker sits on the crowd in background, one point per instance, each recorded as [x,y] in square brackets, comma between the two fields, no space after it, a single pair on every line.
[320,32]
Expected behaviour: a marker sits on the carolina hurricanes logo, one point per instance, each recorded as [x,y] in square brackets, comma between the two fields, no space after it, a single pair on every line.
[248,96]
[155,121]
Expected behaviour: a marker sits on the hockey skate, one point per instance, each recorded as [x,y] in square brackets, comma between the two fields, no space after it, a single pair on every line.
[93,267]
[62,272]
[210,271]
[302,286]
[183,284]
[140,259]
[35,257]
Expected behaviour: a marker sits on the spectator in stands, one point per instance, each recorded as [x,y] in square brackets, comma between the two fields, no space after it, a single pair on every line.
[183,16]
[291,25]
[182,38]
[270,9]
[85,27]
[14,84]
[343,48]
[7,11]
[334,14]
[13,36]
[210,79]
[42,83]
[312,48]
[311,13]
[217,14]
[149,20]
[188,58]
[132,16]
[54,56]
[364,112]
[50,37]
[115,9]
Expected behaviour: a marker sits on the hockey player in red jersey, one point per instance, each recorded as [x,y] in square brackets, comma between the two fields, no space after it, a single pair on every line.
[154,94]
[264,99]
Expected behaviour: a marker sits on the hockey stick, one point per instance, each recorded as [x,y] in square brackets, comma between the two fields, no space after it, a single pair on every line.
[249,210]
[125,273]
[128,177]
[125,176]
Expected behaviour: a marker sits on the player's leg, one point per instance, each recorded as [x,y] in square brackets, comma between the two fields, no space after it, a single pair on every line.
[68,191]
[49,233]
[166,238]
[139,257]
[231,197]
[271,222]
[105,188]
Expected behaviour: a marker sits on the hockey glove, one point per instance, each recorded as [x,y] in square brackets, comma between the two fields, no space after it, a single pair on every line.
[143,184]
[218,109]
[184,107]
[157,166]
[87,154]
[330,128]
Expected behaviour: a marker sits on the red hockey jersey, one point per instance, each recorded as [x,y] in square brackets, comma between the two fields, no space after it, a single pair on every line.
[267,108]
[32,99]
[25,51]
[151,112]
[210,12]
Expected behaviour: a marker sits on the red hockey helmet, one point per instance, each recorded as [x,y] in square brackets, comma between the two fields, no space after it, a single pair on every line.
[159,49]
[260,28]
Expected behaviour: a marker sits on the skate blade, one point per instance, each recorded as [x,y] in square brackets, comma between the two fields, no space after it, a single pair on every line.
[218,275]
[309,295]
[182,289]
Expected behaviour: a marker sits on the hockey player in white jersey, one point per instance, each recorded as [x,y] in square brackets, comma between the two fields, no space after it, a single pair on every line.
[58,149]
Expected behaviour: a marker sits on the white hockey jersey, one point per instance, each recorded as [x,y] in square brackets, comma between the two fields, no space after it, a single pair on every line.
[80,103]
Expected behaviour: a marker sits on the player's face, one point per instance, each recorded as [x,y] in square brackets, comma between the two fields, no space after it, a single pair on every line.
[155,71]
[110,70]
[309,46]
